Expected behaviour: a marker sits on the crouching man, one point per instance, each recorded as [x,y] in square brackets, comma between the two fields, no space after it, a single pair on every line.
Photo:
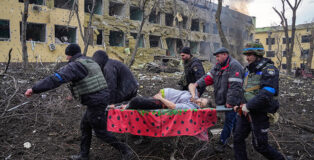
[89,85]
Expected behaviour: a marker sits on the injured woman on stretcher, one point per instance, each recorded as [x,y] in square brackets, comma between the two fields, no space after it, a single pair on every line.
[167,98]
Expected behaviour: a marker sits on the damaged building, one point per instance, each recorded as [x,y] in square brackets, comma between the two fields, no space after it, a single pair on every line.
[52,24]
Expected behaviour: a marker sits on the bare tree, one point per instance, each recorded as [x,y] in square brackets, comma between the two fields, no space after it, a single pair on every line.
[222,36]
[284,23]
[23,37]
[278,53]
[86,36]
[144,6]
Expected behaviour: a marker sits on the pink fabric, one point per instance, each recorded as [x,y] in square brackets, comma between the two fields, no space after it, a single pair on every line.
[162,123]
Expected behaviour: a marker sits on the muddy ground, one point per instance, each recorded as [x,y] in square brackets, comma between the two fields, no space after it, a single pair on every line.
[50,123]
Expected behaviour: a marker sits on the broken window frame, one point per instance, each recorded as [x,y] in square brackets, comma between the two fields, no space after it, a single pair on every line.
[100,35]
[169,19]
[68,5]
[119,9]
[36,31]
[304,53]
[182,23]
[270,39]
[65,28]
[305,38]
[206,27]
[6,29]
[115,44]
[155,19]
[33,2]
[216,45]
[179,45]
[195,25]
[98,9]
[284,53]
[283,66]
[270,53]
[99,40]
[284,40]
[194,47]
[159,41]
[171,45]
[204,48]
[138,11]
[142,40]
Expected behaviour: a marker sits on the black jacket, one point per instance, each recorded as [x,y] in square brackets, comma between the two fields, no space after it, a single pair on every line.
[73,72]
[193,70]
[227,79]
[264,101]
[121,82]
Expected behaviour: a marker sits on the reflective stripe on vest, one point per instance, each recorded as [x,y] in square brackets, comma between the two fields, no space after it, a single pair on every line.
[93,82]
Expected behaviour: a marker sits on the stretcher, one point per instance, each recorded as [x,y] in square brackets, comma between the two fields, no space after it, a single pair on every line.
[163,122]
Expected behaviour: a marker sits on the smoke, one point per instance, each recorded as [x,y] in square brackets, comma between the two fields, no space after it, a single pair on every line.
[239,5]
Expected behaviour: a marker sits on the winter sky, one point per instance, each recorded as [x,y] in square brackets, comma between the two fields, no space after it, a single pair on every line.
[266,16]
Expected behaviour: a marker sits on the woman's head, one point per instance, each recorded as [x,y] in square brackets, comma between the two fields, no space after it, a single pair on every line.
[203,102]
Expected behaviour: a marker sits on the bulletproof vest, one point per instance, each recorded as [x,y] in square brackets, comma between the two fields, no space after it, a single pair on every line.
[251,84]
[93,82]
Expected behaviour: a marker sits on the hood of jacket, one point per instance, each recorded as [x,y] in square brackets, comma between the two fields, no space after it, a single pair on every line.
[101,58]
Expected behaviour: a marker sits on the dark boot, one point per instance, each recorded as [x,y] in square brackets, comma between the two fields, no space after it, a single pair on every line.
[78,157]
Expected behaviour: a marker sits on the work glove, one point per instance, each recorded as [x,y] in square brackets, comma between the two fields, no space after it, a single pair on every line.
[273,117]
[244,109]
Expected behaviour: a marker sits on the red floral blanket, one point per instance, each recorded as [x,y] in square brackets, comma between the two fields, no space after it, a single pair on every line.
[161,123]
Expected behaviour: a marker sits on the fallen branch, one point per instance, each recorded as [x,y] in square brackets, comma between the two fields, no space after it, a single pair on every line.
[175,148]
[9,60]
[305,127]
[271,134]
[13,108]
[199,151]
[11,97]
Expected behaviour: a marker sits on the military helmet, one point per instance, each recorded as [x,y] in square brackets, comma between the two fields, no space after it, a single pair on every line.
[254,48]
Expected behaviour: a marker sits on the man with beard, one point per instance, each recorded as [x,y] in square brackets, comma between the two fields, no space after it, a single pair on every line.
[193,70]
[261,84]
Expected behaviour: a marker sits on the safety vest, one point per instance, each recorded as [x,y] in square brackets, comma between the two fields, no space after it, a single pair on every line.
[251,84]
[93,82]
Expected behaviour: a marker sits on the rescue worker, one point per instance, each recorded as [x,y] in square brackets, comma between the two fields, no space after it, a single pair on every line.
[89,86]
[122,84]
[261,89]
[193,70]
[226,76]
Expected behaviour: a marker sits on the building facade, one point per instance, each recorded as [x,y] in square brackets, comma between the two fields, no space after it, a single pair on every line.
[274,42]
[52,24]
